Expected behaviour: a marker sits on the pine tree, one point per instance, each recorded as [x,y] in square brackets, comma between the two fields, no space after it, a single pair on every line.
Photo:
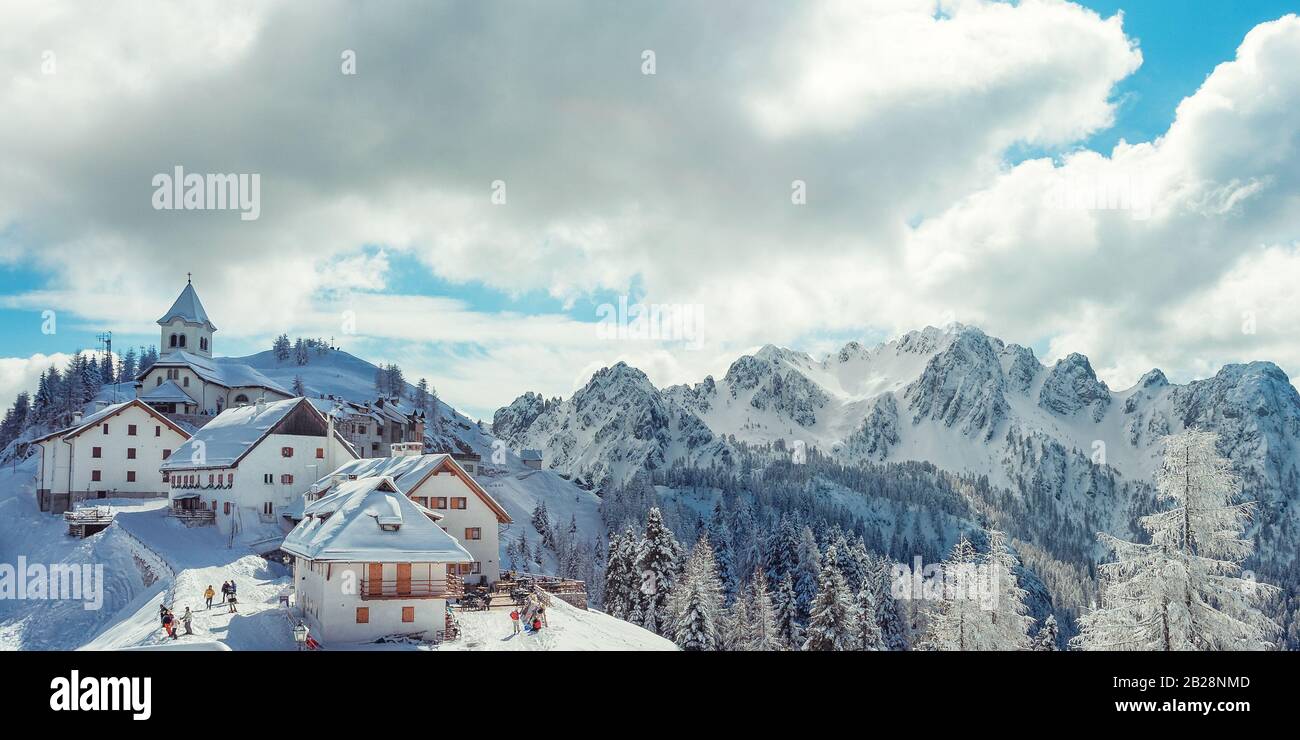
[830,620]
[281,348]
[787,613]
[764,627]
[892,632]
[695,604]
[298,388]
[301,353]
[807,572]
[658,563]
[956,619]
[1009,619]
[107,371]
[147,359]
[720,538]
[126,373]
[1184,590]
[735,624]
[15,419]
[1048,635]
[864,612]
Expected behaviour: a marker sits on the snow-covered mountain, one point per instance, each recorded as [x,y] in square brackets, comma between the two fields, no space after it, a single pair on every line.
[1068,448]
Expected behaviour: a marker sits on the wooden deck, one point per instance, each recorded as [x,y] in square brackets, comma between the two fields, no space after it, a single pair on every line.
[88,520]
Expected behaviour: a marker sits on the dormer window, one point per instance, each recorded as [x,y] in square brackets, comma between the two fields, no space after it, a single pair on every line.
[286,452]
[390,526]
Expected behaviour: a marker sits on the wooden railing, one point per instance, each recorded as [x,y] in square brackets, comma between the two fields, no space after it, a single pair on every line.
[450,587]
[194,516]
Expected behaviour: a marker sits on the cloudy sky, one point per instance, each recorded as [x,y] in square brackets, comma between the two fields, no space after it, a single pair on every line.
[1094,177]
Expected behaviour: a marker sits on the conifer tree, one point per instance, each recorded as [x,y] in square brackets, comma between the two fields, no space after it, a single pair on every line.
[764,627]
[658,563]
[830,619]
[787,613]
[864,612]
[1046,639]
[1184,590]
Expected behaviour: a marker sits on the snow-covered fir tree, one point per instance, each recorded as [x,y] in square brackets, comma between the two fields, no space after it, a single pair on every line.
[658,563]
[1184,590]
[864,612]
[695,605]
[956,619]
[764,630]
[298,388]
[787,613]
[1009,619]
[1048,636]
[830,619]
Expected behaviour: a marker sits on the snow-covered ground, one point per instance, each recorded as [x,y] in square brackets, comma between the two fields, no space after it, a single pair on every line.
[150,559]
[569,628]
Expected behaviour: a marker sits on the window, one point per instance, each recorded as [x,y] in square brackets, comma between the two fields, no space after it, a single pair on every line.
[458,502]
[286,479]
[421,500]
[182,340]
[171,341]
[240,399]
[320,453]
[439,502]
[157,431]
[167,454]
[230,479]
[408,614]
[157,380]
[268,479]
[478,567]
[167,477]
[363,615]
[96,451]
[209,480]
[95,475]
[130,453]
[226,508]
[268,508]
[473,533]
[130,476]
[130,430]
[104,429]
[286,452]
[186,381]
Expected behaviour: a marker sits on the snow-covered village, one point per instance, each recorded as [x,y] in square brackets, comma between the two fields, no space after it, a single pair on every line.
[928,326]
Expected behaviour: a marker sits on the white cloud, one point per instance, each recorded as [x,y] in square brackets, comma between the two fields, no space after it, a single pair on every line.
[19,374]
[674,186]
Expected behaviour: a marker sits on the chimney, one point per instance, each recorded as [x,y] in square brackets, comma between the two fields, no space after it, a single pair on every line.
[76,417]
[261,402]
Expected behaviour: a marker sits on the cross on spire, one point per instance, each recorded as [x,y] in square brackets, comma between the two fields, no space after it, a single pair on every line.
[189,277]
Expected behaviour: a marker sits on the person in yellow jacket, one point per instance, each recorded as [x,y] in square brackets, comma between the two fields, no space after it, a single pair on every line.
[207,596]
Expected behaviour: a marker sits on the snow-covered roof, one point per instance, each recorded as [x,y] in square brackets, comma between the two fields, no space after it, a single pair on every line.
[530,454]
[106,412]
[188,307]
[222,371]
[222,442]
[408,472]
[168,392]
[370,520]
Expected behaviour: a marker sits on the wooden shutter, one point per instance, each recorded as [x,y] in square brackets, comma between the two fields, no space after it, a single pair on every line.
[376,578]
[363,615]
[408,614]
[404,579]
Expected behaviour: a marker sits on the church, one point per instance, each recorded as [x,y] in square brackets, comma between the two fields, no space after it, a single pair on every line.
[187,381]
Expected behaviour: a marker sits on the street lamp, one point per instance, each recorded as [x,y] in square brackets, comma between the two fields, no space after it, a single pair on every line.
[300,634]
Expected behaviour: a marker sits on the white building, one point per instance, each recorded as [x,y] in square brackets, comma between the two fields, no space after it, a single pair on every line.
[187,379]
[116,451]
[370,563]
[438,482]
[250,464]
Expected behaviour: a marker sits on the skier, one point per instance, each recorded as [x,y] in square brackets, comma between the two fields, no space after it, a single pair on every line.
[207,596]
[225,591]
[186,618]
[537,625]
[232,589]
[169,626]
[232,602]
[514,620]
[541,612]
[163,611]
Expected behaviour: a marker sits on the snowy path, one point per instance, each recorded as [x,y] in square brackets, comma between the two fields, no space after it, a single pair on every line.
[569,628]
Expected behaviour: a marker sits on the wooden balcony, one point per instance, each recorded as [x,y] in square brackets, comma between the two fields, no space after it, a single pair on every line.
[448,587]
